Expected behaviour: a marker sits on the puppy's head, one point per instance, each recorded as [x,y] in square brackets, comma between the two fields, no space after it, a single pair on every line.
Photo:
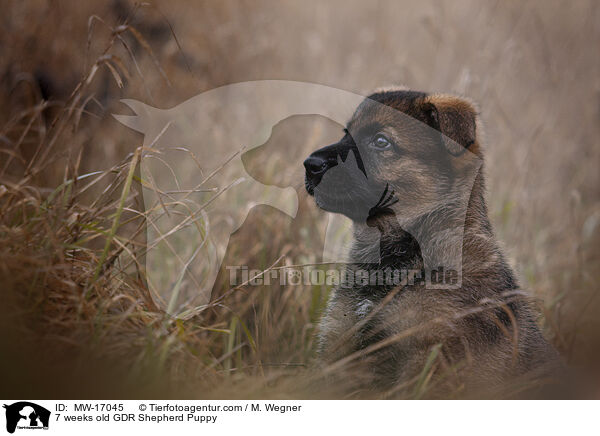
[403,152]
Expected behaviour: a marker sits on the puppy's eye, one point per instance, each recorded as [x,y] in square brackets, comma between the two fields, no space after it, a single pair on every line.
[380,142]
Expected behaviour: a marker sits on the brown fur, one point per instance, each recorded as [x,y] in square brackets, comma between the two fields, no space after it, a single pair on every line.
[476,340]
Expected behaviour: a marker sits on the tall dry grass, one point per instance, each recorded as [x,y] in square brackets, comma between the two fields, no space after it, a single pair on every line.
[77,319]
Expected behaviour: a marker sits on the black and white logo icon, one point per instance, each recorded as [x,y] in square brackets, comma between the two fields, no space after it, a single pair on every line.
[26,415]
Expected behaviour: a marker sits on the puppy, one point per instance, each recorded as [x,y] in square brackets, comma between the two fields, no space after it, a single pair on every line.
[409,173]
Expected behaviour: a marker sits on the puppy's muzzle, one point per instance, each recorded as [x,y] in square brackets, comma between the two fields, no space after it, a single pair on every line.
[315,167]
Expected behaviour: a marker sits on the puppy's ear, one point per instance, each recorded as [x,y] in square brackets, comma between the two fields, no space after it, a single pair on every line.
[455,118]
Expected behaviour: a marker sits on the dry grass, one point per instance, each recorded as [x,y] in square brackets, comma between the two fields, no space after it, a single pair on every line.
[76,317]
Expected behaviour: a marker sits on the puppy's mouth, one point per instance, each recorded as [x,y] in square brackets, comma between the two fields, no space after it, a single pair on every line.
[357,202]
[325,201]
[322,199]
[309,185]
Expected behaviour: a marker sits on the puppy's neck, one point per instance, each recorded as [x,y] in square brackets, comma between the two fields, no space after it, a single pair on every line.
[451,236]
[382,242]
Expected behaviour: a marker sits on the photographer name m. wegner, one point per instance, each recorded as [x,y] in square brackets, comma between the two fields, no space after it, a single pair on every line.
[440,277]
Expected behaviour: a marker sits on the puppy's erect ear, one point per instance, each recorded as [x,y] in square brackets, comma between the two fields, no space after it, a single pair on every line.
[455,118]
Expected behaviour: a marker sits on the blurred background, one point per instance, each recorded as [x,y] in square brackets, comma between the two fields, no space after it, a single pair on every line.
[73,294]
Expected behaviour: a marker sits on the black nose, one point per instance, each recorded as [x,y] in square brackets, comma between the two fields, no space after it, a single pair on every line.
[315,165]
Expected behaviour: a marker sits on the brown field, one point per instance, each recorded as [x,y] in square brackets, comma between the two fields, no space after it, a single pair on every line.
[76,316]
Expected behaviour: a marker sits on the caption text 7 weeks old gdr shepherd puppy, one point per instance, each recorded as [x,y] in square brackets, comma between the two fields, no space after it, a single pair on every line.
[409,174]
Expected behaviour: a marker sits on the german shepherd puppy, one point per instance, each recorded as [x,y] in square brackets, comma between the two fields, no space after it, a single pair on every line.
[408,172]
